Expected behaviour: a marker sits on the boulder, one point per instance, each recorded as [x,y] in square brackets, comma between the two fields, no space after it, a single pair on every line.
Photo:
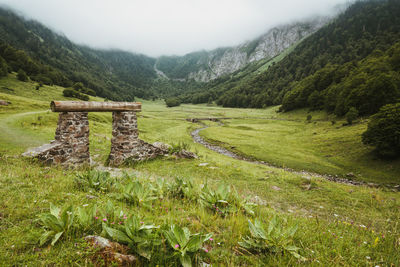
[162,146]
[4,103]
[112,252]
[184,154]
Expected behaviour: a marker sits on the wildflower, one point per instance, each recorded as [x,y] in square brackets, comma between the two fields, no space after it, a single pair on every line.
[363,226]
[335,215]
[368,257]
[85,205]
[376,242]
[211,239]
[104,219]
[205,250]
[96,218]
[141,222]
[176,246]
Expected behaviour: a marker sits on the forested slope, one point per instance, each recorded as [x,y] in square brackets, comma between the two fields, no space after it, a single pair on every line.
[352,62]
[112,74]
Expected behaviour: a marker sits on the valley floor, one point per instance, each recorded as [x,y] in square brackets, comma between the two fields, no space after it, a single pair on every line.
[338,224]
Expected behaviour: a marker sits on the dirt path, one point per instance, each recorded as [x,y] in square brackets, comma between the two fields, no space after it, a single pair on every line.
[11,134]
[221,150]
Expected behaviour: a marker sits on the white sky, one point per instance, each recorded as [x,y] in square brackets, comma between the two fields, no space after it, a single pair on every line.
[166,27]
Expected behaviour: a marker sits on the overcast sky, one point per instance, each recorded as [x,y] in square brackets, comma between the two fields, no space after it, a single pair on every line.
[166,27]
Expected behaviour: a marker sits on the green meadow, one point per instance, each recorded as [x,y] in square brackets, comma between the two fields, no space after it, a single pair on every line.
[337,224]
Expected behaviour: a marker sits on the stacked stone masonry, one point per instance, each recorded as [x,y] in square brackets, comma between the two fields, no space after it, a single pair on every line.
[71,145]
[125,142]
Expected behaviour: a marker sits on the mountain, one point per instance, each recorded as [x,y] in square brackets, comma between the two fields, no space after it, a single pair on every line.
[119,75]
[116,75]
[351,62]
[204,66]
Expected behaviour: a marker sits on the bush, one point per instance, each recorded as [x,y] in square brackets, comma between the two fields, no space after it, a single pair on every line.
[384,131]
[351,115]
[172,102]
[72,93]
[69,92]
[22,75]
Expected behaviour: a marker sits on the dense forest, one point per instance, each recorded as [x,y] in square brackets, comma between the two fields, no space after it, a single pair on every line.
[351,62]
[53,59]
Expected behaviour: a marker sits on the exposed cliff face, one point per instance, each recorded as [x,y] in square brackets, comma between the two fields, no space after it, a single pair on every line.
[216,63]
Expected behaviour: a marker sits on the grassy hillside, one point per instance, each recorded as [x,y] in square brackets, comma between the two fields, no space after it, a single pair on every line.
[337,224]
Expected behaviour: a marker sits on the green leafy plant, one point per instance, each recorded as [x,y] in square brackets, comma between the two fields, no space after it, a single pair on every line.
[86,218]
[139,236]
[160,188]
[136,193]
[112,214]
[182,188]
[187,247]
[176,148]
[276,239]
[225,200]
[96,180]
[56,223]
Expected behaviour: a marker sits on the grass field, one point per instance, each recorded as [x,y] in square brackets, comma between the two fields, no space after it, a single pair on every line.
[337,224]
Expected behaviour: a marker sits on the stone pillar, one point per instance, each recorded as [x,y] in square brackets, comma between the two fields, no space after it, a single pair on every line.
[73,135]
[125,142]
[71,145]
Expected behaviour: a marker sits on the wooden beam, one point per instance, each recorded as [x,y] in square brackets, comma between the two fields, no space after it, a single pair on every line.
[84,106]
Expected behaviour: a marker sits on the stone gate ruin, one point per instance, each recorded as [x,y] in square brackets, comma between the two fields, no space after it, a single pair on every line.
[71,144]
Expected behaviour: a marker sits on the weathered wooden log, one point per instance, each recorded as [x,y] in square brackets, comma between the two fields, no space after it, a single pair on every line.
[82,106]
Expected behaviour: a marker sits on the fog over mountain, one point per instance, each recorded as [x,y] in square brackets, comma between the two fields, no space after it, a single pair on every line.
[159,27]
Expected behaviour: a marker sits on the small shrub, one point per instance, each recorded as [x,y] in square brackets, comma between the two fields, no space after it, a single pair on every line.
[172,102]
[351,115]
[383,131]
[21,75]
[309,117]
[68,92]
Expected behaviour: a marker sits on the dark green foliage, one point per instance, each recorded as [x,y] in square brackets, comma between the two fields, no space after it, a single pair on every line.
[353,61]
[78,86]
[172,102]
[69,92]
[351,115]
[384,131]
[3,67]
[309,117]
[52,59]
[22,75]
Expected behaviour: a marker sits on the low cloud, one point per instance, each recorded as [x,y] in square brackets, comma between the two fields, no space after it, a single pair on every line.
[166,27]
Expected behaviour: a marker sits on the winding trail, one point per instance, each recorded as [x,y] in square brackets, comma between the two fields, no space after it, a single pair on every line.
[221,150]
[11,134]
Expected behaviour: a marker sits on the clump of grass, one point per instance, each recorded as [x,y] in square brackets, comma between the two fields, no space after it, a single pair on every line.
[94,180]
